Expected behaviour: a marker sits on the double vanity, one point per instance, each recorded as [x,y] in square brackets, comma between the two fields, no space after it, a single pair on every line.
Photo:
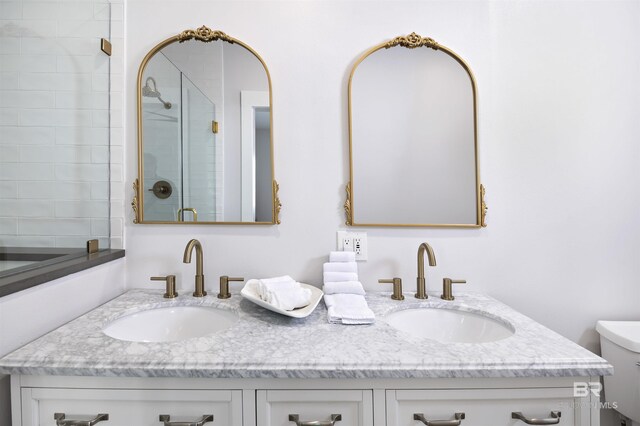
[144,359]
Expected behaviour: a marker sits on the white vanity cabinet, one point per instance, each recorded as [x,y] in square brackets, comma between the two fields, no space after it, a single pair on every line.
[487,407]
[301,402]
[300,407]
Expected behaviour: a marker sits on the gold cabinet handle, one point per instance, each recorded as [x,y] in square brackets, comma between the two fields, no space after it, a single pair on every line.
[206,418]
[554,420]
[447,284]
[397,287]
[458,417]
[170,288]
[334,418]
[61,420]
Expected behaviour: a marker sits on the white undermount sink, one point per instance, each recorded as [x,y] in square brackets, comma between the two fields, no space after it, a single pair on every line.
[170,324]
[448,325]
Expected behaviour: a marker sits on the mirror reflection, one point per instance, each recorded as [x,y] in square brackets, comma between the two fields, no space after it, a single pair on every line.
[205,144]
[413,138]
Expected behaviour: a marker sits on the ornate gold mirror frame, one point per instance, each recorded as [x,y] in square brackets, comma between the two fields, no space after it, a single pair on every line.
[413,41]
[203,34]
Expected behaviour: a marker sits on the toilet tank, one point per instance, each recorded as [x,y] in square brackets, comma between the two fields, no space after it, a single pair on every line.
[620,343]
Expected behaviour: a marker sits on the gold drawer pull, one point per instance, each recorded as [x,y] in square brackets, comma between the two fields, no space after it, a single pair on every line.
[334,418]
[456,422]
[554,420]
[206,418]
[61,420]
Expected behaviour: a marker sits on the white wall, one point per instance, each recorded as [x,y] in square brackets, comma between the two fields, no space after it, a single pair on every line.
[559,101]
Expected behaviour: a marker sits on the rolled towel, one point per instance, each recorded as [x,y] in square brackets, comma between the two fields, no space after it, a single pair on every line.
[266,285]
[340,267]
[289,300]
[348,309]
[333,277]
[342,256]
[344,287]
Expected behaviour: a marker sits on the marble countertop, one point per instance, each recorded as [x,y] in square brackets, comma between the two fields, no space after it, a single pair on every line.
[264,344]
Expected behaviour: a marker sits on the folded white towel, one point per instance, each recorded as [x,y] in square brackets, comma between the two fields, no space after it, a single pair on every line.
[344,287]
[342,256]
[333,277]
[282,292]
[340,267]
[350,309]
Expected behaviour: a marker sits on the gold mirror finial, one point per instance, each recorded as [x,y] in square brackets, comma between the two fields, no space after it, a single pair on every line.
[205,34]
[412,41]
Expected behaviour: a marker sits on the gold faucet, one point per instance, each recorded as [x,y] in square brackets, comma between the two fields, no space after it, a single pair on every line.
[199,275]
[421,292]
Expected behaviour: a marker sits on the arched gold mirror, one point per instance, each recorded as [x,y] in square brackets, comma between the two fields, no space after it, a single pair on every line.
[205,134]
[413,138]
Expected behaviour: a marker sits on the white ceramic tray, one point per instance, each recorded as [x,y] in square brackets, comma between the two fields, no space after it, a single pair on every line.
[250,292]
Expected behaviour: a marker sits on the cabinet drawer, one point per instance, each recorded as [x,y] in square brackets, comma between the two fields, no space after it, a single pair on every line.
[485,407]
[127,407]
[355,407]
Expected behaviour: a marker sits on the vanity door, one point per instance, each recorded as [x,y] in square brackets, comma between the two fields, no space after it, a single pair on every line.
[128,407]
[304,407]
[487,407]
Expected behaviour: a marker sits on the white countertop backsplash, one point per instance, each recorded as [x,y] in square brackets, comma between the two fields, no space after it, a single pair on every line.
[263,344]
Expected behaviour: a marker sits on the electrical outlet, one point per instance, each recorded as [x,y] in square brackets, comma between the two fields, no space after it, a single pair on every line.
[360,245]
[353,241]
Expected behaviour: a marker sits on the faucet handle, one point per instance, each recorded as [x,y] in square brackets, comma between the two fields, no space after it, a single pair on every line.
[224,286]
[397,287]
[170,289]
[447,284]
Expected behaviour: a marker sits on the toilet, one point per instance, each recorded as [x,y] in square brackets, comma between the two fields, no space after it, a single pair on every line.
[620,342]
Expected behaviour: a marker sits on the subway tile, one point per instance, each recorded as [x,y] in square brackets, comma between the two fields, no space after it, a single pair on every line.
[117,172]
[39,10]
[101,119]
[100,154]
[76,154]
[82,172]
[38,81]
[46,28]
[100,227]
[116,226]
[8,117]
[77,100]
[116,208]
[102,11]
[116,191]
[8,154]
[116,135]
[9,45]
[73,242]
[78,64]
[27,135]
[26,99]
[100,82]
[20,172]
[36,154]
[11,10]
[22,241]
[82,136]
[9,226]
[75,82]
[82,209]
[55,117]
[116,242]
[9,80]
[100,191]
[54,227]
[39,46]
[27,208]
[55,190]
[34,63]
[82,28]
[76,11]
[8,189]
[116,154]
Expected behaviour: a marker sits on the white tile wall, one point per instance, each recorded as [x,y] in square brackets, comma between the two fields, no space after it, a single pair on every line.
[57,105]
